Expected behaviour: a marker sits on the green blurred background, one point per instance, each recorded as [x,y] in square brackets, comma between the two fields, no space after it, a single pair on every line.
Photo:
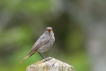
[23,21]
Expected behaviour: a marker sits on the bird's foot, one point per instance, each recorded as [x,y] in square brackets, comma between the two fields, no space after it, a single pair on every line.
[47,59]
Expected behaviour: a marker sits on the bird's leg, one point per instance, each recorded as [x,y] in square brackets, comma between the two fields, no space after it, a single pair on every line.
[43,57]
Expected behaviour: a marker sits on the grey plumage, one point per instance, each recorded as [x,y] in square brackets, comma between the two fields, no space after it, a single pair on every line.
[43,44]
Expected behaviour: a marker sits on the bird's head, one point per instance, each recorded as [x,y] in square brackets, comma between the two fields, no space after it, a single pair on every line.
[48,29]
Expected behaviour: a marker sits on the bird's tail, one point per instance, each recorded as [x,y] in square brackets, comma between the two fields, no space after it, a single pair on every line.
[25,58]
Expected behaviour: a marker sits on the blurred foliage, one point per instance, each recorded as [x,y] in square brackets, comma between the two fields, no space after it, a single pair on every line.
[23,21]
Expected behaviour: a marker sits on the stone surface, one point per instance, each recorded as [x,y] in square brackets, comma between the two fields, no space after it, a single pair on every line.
[50,64]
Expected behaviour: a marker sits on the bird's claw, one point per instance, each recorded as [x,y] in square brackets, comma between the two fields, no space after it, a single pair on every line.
[47,59]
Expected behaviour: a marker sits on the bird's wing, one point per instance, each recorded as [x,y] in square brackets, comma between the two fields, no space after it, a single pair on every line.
[40,42]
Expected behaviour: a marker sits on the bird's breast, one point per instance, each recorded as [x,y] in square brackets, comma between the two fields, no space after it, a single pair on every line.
[46,47]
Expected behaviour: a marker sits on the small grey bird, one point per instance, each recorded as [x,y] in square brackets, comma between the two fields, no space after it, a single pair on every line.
[43,44]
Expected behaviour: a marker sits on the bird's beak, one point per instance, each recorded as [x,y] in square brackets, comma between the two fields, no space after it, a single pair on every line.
[49,30]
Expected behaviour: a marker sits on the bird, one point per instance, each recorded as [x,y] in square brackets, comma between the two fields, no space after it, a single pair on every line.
[43,44]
